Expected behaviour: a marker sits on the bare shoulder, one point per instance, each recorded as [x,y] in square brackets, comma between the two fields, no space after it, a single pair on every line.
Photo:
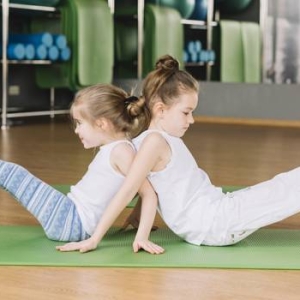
[121,157]
[155,149]
[155,139]
[123,149]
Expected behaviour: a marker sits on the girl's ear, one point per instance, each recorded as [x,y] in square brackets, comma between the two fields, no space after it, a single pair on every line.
[158,108]
[102,123]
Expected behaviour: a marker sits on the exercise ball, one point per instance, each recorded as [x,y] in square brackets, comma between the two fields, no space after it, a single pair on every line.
[234,6]
[29,51]
[64,54]
[217,3]
[200,10]
[185,7]
[53,53]
[41,52]
[126,42]
[125,8]
[15,51]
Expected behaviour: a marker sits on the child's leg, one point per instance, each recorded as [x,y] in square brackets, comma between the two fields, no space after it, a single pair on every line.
[244,211]
[268,202]
[56,213]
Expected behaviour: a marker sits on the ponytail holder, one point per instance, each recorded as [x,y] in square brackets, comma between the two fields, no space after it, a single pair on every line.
[131,99]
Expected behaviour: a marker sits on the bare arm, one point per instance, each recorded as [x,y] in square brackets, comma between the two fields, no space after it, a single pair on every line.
[144,161]
[148,212]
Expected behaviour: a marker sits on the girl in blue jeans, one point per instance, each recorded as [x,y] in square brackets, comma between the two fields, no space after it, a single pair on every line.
[105,117]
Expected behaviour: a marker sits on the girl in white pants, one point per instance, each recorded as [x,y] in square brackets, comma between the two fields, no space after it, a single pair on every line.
[188,202]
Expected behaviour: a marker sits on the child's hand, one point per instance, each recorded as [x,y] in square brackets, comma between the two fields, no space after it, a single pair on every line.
[147,246]
[82,246]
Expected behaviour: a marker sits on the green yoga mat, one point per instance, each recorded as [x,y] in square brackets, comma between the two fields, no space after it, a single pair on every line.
[252,51]
[232,59]
[265,249]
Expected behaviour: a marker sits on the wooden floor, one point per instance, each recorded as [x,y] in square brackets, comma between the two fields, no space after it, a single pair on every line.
[230,154]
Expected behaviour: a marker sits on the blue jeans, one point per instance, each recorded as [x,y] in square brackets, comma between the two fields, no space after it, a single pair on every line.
[55,212]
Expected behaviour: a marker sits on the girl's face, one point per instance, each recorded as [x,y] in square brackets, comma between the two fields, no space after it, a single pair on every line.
[90,136]
[177,118]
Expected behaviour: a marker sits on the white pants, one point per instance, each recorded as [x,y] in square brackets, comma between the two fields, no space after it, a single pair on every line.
[244,211]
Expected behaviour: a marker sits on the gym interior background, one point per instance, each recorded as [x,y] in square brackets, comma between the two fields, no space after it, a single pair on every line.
[246,53]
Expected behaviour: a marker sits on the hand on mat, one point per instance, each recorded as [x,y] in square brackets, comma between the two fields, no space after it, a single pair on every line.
[147,246]
[82,246]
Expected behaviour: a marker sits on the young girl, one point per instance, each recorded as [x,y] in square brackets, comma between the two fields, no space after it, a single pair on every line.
[191,206]
[106,117]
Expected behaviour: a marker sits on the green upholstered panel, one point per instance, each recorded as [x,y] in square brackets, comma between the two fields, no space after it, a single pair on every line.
[163,34]
[94,42]
[126,41]
[88,26]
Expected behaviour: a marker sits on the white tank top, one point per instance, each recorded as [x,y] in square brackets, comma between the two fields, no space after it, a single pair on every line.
[187,199]
[97,187]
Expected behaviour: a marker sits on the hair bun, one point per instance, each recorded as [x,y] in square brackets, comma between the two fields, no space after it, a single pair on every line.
[167,63]
[131,99]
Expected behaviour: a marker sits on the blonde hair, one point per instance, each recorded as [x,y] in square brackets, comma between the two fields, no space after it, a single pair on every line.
[127,113]
[167,82]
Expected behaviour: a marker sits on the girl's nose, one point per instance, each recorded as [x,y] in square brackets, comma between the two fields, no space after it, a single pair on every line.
[191,119]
